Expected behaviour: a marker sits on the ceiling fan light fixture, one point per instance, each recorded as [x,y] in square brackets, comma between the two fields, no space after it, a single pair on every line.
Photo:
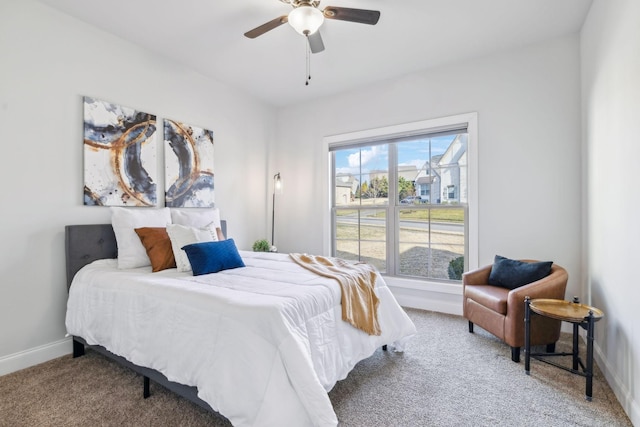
[306,19]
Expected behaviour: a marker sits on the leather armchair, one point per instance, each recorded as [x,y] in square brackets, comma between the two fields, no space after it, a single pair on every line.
[500,311]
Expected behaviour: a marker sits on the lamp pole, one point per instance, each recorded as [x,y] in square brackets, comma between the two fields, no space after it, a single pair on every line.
[276,183]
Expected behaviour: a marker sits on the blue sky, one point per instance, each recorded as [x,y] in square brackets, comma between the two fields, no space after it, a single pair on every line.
[376,157]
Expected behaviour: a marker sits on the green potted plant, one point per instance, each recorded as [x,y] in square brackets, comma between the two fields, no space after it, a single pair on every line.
[261,245]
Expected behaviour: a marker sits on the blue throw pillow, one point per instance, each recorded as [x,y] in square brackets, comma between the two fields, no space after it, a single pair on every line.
[211,257]
[511,273]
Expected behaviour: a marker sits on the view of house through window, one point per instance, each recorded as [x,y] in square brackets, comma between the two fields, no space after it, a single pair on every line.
[402,204]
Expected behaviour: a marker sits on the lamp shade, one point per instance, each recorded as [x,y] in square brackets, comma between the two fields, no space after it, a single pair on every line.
[277,188]
[306,19]
[277,183]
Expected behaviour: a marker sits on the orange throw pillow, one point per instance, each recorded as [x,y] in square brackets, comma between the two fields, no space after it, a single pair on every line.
[158,246]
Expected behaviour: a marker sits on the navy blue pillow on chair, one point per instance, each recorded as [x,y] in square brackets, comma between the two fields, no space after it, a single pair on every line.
[511,273]
[211,257]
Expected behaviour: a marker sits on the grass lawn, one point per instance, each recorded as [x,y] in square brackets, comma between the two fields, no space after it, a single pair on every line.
[437,212]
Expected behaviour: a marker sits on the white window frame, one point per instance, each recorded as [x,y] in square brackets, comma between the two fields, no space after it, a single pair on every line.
[468,120]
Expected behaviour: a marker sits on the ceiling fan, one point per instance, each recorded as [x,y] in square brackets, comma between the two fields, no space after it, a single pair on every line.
[306,18]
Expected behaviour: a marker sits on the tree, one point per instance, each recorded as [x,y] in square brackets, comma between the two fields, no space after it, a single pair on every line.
[405,188]
[379,187]
[364,190]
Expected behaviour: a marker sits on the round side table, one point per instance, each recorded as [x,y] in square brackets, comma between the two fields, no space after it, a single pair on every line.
[580,315]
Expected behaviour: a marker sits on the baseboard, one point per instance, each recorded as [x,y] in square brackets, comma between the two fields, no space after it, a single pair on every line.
[34,356]
[625,397]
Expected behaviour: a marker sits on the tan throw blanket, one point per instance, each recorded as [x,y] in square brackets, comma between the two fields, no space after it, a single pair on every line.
[359,301]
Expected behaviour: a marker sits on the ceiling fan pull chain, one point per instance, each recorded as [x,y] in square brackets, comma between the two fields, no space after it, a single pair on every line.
[308,73]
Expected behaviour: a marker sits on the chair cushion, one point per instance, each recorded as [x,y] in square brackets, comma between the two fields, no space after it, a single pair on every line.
[492,297]
[511,273]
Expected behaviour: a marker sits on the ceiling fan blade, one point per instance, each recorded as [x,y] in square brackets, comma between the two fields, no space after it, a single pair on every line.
[258,31]
[315,42]
[361,16]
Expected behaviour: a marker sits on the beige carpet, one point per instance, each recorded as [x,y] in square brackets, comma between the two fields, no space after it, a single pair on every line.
[446,377]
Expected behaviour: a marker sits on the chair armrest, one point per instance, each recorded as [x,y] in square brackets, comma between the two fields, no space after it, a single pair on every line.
[547,330]
[479,276]
[553,286]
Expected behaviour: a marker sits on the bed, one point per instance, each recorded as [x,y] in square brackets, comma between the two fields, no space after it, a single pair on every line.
[261,345]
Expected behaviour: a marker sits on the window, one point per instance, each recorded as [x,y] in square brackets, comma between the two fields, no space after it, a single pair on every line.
[400,201]
[451,192]
[424,191]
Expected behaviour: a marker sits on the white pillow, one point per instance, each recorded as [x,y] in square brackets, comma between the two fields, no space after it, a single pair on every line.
[181,235]
[199,218]
[131,253]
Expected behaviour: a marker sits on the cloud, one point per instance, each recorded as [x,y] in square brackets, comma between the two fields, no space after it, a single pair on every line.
[361,158]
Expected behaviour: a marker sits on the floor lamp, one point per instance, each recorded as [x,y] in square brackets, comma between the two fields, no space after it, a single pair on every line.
[277,188]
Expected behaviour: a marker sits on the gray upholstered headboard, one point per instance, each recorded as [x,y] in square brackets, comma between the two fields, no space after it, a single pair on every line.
[89,242]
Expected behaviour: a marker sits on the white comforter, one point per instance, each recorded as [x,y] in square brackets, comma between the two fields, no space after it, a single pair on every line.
[263,344]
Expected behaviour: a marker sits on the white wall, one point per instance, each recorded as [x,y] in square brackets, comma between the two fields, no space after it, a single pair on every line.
[528,104]
[530,158]
[48,62]
[610,48]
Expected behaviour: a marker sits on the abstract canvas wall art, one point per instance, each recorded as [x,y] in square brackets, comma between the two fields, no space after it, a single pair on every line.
[120,167]
[188,165]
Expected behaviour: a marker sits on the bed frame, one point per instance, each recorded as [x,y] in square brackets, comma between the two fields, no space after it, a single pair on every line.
[85,244]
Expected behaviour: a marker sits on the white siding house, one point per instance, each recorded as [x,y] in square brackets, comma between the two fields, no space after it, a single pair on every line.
[452,169]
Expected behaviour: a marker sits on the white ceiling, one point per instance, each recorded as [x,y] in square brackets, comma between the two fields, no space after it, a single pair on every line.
[207,35]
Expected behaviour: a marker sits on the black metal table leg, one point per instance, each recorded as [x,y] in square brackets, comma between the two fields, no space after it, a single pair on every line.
[527,335]
[146,392]
[576,355]
[589,370]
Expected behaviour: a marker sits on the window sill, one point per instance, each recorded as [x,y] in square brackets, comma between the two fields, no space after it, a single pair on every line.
[427,295]
[424,285]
